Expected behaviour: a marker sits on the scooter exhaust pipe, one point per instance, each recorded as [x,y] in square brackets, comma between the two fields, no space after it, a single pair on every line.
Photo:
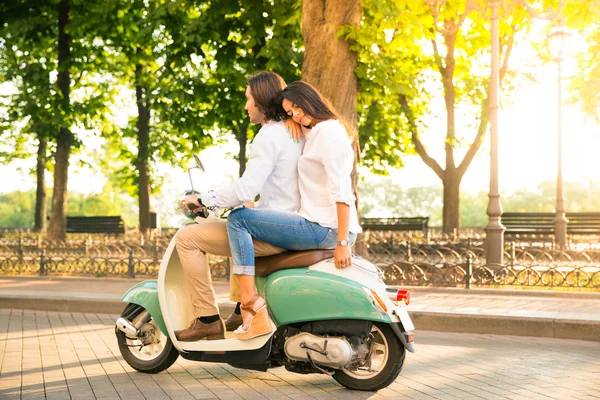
[131,328]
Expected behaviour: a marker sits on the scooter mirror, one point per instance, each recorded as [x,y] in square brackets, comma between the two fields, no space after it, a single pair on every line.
[199,163]
[198,166]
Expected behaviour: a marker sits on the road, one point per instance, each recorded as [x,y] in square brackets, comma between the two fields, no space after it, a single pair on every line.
[63,355]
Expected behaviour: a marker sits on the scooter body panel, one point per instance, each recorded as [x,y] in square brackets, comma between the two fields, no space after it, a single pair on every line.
[145,294]
[301,294]
[175,304]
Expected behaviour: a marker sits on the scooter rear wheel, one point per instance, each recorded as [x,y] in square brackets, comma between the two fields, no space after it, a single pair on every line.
[387,360]
[154,354]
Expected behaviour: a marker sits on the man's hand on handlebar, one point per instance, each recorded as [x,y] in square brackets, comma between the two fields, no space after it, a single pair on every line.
[192,202]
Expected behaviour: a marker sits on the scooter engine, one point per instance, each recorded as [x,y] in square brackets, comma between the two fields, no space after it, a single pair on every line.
[333,352]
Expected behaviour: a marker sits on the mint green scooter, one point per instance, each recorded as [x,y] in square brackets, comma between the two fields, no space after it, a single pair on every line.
[344,323]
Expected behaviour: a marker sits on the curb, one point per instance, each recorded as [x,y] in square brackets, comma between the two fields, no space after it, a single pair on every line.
[506,325]
[501,292]
[79,305]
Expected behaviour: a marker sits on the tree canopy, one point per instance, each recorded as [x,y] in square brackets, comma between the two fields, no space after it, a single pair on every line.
[178,70]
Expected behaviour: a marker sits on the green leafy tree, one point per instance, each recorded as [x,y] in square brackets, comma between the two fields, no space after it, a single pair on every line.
[585,86]
[16,208]
[383,198]
[144,40]
[404,61]
[26,60]
[230,40]
[42,42]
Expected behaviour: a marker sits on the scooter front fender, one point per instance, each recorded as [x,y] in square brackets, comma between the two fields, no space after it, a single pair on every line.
[145,294]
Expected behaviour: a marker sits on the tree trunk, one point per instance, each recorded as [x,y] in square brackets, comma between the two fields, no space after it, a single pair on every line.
[58,221]
[143,129]
[242,137]
[451,210]
[40,193]
[329,63]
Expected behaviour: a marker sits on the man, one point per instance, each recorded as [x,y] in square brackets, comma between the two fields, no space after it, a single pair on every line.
[271,172]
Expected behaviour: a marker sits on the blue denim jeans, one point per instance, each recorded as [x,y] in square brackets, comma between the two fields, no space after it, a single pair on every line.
[281,229]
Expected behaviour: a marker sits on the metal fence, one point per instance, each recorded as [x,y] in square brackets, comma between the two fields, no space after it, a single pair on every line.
[405,260]
[91,255]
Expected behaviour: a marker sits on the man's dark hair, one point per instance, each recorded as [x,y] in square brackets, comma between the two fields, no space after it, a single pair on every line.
[266,88]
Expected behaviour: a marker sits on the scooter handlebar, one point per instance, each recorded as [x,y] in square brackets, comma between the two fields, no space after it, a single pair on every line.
[201,211]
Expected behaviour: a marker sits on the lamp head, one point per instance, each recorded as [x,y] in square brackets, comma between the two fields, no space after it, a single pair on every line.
[559,41]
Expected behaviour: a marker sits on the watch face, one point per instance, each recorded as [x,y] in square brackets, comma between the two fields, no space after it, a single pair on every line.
[343,242]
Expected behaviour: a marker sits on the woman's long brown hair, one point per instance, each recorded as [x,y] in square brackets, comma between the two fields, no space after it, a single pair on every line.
[308,99]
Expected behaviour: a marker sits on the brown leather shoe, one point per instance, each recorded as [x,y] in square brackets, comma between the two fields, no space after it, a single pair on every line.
[199,330]
[233,322]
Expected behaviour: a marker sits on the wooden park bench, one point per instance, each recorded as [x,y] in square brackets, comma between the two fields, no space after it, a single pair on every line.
[528,223]
[96,224]
[584,223]
[396,224]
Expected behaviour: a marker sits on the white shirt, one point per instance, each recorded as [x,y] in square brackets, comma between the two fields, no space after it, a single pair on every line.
[271,172]
[324,170]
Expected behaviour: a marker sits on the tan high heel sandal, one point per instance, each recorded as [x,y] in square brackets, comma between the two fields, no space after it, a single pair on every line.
[260,324]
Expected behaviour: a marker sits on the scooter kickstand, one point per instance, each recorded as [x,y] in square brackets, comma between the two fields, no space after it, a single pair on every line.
[316,366]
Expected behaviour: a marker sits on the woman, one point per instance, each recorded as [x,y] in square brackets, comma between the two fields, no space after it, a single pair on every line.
[327,218]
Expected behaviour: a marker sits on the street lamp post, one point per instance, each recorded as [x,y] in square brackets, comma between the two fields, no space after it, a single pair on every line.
[494,230]
[494,241]
[557,39]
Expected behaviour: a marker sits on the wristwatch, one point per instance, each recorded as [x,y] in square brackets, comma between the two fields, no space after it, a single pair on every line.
[343,242]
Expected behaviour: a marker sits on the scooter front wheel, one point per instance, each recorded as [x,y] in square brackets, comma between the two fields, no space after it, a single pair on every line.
[151,352]
[383,365]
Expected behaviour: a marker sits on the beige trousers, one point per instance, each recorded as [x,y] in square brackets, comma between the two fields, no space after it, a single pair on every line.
[193,243]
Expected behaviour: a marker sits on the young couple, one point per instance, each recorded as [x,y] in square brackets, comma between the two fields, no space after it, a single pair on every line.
[306,202]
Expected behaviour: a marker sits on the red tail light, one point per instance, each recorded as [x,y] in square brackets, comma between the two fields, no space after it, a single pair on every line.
[403,295]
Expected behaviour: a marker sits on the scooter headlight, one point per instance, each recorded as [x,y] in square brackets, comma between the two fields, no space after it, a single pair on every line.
[181,204]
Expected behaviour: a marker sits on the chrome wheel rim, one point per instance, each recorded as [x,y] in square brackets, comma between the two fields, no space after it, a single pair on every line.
[379,358]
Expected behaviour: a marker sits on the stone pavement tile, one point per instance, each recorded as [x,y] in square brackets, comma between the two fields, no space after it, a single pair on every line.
[241,388]
[466,385]
[301,396]
[594,396]
[426,389]
[10,370]
[457,393]
[474,366]
[57,391]
[65,355]
[171,387]
[264,388]
[220,390]
[526,394]
[191,384]
[138,385]
[287,389]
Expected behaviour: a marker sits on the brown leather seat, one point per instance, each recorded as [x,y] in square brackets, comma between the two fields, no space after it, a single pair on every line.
[290,259]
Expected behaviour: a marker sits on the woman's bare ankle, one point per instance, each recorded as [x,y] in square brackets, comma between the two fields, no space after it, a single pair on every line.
[247,315]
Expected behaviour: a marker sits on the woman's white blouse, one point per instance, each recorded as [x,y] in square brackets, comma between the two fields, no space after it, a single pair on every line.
[324,170]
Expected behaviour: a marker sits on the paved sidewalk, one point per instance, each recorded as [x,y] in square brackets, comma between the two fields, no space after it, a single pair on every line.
[484,311]
[70,355]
